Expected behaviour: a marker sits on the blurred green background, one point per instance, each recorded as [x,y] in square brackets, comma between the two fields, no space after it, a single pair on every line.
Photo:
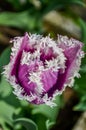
[65,17]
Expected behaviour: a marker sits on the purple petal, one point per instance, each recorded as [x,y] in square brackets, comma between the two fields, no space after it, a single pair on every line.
[73,52]
[49,78]
[23,46]
[73,61]
[23,80]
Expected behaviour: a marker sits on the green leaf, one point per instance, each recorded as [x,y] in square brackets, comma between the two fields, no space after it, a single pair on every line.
[49,124]
[82,23]
[7,95]
[83,69]
[82,104]
[27,123]
[5,88]
[56,4]
[3,124]
[40,120]
[21,20]
[4,58]
[78,2]
[6,112]
[80,107]
[80,86]
[47,111]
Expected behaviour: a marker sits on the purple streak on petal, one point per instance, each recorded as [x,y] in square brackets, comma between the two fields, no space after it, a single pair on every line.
[23,79]
[15,68]
[49,78]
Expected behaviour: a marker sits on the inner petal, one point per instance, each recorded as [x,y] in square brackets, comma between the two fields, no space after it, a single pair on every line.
[49,78]
[47,54]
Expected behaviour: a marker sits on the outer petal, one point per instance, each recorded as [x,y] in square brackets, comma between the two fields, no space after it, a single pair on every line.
[17,58]
[73,52]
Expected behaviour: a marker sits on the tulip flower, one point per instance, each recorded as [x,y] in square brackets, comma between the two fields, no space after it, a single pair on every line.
[40,68]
